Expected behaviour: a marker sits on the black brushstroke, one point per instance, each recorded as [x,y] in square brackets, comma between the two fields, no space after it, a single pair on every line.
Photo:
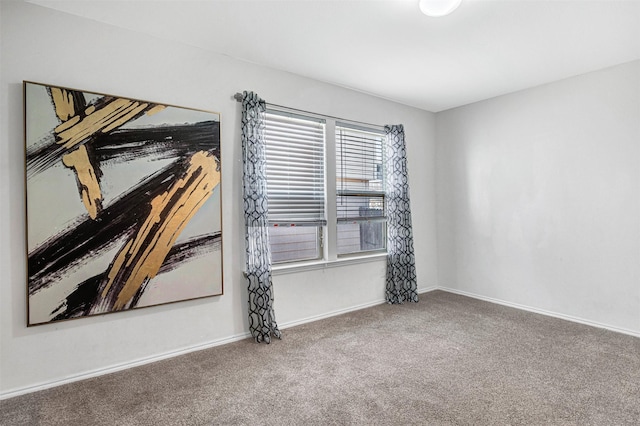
[121,145]
[78,303]
[42,157]
[193,247]
[159,143]
[91,237]
[136,297]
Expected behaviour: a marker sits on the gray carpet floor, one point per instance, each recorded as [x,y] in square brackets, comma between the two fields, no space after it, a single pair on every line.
[447,360]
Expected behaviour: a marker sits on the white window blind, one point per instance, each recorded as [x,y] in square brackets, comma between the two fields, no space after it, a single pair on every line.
[360,175]
[295,169]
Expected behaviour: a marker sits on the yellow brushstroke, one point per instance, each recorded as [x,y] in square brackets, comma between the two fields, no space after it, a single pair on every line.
[156,109]
[89,110]
[136,109]
[155,247]
[108,117]
[66,124]
[87,179]
[63,102]
[117,264]
[92,123]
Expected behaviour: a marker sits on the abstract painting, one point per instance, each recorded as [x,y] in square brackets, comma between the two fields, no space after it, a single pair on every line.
[123,203]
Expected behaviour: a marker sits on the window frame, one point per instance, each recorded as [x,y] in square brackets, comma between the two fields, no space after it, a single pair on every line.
[328,233]
[367,134]
[277,121]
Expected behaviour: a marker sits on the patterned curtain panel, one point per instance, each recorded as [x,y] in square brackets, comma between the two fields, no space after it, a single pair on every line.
[402,285]
[262,320]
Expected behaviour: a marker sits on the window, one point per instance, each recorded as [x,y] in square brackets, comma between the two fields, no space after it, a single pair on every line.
[295,147]
[311,163]
[359,190]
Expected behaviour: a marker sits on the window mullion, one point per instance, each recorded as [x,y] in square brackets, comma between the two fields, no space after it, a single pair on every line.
[331,234]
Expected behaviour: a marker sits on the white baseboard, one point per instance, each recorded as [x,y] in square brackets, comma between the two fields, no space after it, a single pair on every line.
[289,324]
[313,318]
[120,367]
[427,290]
[542,311]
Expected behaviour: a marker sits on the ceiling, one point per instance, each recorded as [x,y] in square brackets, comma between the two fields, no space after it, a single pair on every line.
[484,49]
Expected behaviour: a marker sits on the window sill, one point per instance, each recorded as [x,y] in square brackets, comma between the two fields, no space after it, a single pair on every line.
[324,264]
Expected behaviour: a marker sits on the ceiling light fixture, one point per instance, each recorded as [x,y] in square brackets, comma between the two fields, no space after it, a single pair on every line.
[436,8]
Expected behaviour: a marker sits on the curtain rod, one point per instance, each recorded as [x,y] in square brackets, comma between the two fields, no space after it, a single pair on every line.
[238,97]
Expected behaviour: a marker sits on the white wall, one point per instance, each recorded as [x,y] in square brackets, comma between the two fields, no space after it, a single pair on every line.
[538,198]
[51,47]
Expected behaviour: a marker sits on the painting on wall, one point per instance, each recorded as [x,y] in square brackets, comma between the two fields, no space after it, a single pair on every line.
[123,203]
